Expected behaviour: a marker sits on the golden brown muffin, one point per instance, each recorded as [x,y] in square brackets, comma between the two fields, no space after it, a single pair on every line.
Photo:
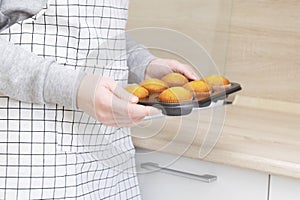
[216,81]
[175,95]
[199,88]
[137,90]
[154,85]
[175,79]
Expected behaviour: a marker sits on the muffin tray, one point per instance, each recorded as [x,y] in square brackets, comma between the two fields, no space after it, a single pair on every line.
[184,108]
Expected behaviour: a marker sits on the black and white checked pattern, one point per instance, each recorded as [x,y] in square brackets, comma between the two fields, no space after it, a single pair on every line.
[47,151]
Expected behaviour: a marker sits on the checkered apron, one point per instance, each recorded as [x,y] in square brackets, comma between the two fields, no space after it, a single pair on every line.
[48,151]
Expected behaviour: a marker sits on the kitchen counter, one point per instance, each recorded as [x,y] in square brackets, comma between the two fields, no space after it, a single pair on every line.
[257,134]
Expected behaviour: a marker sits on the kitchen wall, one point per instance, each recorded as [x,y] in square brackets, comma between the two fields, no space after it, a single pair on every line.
[206,21]
[255,43]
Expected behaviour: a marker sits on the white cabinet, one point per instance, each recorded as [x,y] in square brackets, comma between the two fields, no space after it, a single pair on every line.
[283,188]
[232,183]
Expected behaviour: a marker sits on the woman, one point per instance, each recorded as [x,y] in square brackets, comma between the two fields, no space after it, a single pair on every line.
[59,58]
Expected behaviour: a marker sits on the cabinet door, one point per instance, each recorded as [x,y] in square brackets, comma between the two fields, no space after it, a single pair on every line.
[282,188]
[183,183]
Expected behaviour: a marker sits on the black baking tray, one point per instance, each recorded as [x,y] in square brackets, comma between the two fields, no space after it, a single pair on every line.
[184,108]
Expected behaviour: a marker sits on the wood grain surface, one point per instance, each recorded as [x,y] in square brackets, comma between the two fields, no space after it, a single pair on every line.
[263,140]
[264,48]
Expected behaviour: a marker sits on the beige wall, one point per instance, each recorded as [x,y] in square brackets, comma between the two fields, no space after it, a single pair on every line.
[202,20]
[263,52]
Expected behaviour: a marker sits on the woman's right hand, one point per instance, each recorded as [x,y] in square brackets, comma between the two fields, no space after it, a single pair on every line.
[103,99]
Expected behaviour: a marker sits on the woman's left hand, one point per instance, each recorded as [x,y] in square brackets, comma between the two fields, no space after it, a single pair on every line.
[161,67]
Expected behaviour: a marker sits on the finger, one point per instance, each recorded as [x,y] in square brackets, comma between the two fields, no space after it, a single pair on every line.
[157,71]
[119,91]
[190,73]
[125,95]
[125,113]
[153,111]
[150,111]
[134,113]
[186,70]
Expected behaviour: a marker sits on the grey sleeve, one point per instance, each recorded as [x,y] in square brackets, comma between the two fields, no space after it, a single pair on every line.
[27,77]
[12,11]
[138,58]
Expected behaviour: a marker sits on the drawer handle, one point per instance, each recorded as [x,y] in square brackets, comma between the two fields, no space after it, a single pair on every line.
[203,178]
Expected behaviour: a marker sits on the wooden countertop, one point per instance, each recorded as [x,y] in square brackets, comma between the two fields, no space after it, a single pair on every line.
[256,134]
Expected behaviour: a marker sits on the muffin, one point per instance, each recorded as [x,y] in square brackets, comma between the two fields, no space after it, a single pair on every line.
[137,90]
[198,88]
[174,79]
[175,95]
[217,81]
[154,85]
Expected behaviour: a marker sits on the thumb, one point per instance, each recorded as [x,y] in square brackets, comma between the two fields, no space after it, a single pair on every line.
[119,91]
[139,112]
[153,111]
[123,94]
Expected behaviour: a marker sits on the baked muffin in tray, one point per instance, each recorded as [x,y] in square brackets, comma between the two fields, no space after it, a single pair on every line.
[137,90]
[217,82]
[154,85]
[198,88]
[174,79]
[175,95]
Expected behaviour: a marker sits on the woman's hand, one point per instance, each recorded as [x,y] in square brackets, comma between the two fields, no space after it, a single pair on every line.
[161,67]
[109,103]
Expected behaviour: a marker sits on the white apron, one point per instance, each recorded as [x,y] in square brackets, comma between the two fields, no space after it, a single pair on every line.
[47,151]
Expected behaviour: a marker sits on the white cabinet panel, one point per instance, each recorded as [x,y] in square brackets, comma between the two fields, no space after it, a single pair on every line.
[283,188]
[232,183]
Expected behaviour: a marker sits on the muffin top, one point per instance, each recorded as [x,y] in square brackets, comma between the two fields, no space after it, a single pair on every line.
[197,86]
[216,80]
[175,79]
[137,90]
[154,85]
[175,95]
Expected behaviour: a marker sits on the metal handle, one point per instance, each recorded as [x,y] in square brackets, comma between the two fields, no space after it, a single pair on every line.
[204,178]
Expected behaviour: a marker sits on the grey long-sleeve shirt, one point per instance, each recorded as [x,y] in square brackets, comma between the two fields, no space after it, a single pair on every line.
[28,77]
